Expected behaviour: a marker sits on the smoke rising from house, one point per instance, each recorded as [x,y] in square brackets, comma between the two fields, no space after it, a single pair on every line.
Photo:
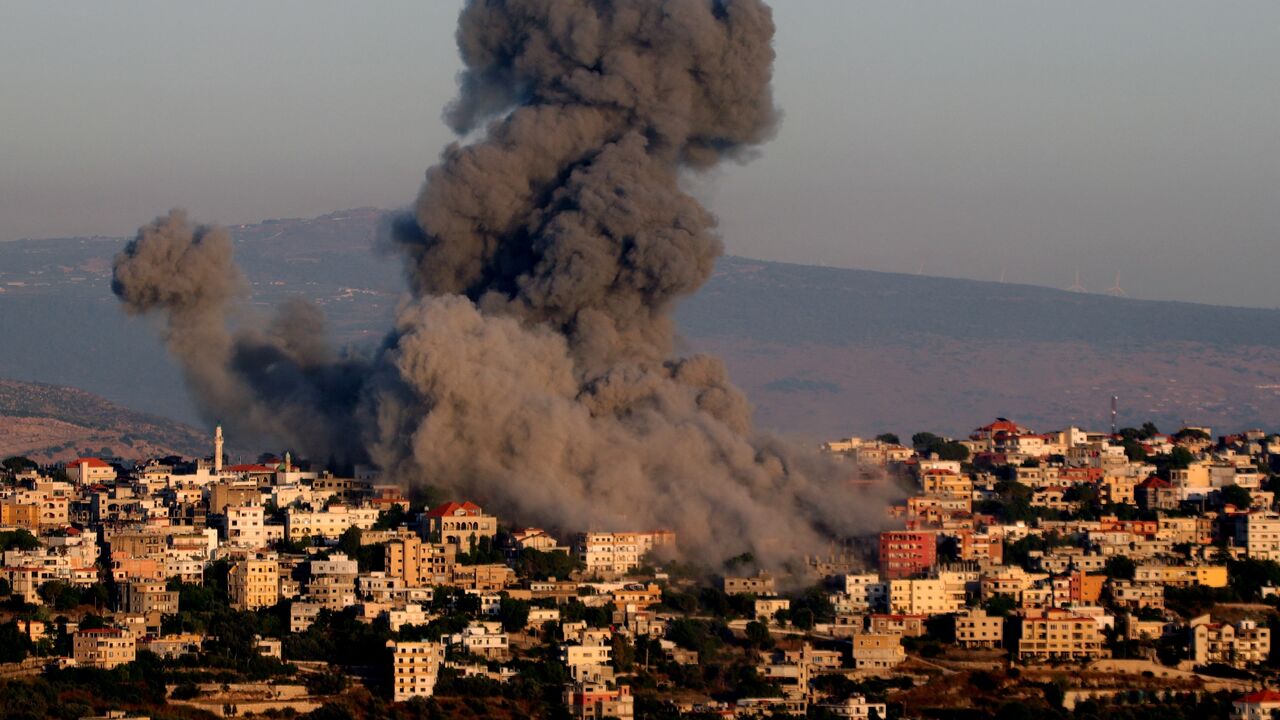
[533,368]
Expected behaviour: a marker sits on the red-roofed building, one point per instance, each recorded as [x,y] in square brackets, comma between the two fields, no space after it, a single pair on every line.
[86,471]
[1260,705]
[1156,494]
[250,469]
[460,524]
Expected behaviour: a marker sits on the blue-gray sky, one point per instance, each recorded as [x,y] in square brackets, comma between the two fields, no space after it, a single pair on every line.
[1032,139]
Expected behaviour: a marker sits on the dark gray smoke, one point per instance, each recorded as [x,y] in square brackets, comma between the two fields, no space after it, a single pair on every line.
[533,369]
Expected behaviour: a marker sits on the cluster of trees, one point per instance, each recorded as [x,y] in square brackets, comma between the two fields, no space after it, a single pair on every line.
[926,443]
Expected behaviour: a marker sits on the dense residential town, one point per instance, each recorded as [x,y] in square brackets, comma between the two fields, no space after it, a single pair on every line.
[1072,573]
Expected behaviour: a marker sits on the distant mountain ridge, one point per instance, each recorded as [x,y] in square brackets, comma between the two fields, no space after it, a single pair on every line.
[821,352]
[51,422]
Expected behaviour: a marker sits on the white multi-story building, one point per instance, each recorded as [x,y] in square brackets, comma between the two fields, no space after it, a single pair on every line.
[619,553]
[866,592]
[931,596]
[329,523]
[246,526]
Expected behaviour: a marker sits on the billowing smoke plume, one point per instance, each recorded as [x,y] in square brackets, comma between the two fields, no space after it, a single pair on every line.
[533,368]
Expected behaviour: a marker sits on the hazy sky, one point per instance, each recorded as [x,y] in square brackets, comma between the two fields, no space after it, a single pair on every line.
[1027,138]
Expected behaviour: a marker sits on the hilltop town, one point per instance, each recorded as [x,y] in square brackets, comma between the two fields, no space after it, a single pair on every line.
[1072,573]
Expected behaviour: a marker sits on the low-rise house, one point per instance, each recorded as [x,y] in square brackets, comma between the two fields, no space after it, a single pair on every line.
[1260,705]
[593,701]
[767,609]
[855,707]
[761,584]
[904,625]
[483,638]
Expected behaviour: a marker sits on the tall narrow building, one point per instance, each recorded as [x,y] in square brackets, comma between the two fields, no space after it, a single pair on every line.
[217,450]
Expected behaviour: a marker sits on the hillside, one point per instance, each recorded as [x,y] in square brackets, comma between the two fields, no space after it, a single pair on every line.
[51,422]
[821,352]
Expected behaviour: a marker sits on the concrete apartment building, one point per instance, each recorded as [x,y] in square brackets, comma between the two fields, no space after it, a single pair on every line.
[613,554]
[254,582]
[103,648]
[415,667]
[928,596]
[1182,575]
[1056,634]
[1240,645]
[976,629]
[331,583]
[418,563]
[873,651]
[905,553]
[758,585]
[1260,535]
[483,578]
[865,591]
[144,598]
[20,515]
[593,701]
[245,526]
[329,523]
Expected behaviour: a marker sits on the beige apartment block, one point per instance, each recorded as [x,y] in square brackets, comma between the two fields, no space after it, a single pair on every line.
[873,651]
[103,648]
[977,629]
[254,582]
[1057,634]
[418,563]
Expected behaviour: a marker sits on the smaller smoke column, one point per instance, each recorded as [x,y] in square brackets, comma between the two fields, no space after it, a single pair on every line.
[281,381]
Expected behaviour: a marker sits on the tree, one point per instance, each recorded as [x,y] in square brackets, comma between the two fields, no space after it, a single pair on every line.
[889,438]
[15,646]
[391,519]
[758,635]
[1120,567]
[1180,458]
[18,463]
[1236,496]
[18,540]
[1000,605]
[514,614]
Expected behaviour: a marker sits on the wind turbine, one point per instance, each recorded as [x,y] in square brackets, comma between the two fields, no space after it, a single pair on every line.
[1115,290]
[1077,287]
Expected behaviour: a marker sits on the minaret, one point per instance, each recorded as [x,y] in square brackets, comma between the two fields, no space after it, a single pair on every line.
[288,462]
[217,450]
